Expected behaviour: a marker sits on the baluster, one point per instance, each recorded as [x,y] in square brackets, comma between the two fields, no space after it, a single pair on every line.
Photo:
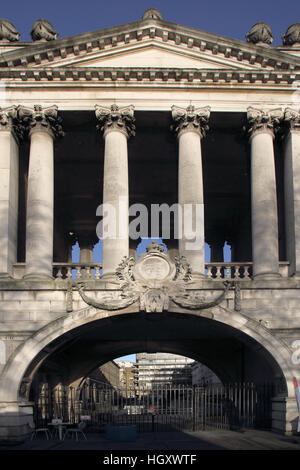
[97,272]
[246,273]
[227,272]
[237,272]
[78,272]
[208,271]
[218,272]
[69,272]
[88,272]
[59,272]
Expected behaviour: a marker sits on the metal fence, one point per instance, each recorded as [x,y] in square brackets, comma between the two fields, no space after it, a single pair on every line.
[159,408]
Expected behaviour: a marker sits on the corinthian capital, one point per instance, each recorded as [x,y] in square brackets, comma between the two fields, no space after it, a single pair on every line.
[115,118]
[292,118]
[190,119]
[7,117]
[39,117]
[9,120]
[261,121]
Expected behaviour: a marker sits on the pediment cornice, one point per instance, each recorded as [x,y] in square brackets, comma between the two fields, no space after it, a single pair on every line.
[82,46]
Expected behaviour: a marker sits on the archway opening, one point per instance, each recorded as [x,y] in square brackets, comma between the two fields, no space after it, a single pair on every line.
[233,356]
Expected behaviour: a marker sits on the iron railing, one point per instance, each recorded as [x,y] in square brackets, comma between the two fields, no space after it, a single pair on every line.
[161,407]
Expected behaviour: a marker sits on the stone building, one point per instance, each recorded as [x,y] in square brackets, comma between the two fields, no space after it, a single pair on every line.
[163,368]
[69,110]
[128,374]
[202,375]
[107,374]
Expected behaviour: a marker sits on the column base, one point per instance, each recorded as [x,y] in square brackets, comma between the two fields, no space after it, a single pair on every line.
[266,276]
[198,276]
[16,421]
[284,415]
[5,276]
[111,278]
[295,275]
[37,277]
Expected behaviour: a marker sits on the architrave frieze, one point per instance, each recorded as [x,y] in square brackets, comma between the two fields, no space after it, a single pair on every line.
[127,77]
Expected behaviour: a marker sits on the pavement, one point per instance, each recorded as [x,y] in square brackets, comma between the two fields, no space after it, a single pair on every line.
[200,440]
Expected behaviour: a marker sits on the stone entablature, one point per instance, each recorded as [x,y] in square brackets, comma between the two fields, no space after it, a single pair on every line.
[135,76]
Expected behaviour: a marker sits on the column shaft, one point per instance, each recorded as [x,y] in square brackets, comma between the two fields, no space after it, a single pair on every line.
[9,190]
[115,193]
[292,199]
[190,194]
[264,206]
[216,252]
[117,124]
[40,205]
[190,126]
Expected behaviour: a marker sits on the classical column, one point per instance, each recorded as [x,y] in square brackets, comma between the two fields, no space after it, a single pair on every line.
[216,251]
[190,126]
[117,125]
[9,190]
[292,189]
[263,192]
[43,125]
[86,244]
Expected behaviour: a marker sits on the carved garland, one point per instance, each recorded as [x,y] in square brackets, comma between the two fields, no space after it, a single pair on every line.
[151,298]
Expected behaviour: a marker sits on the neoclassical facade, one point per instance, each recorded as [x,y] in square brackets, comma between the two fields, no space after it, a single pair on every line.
[148,113]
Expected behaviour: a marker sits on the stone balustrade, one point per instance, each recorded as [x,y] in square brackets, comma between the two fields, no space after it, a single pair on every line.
[228,270]
[213,271]
[241,271]
[77,270]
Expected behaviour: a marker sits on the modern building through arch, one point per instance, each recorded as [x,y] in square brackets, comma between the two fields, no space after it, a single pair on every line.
[148,130]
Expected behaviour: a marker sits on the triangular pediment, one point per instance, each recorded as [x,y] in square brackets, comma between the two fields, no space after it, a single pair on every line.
[147,44]
[152,54]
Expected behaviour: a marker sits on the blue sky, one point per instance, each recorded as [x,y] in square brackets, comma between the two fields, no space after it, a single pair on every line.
[231,18]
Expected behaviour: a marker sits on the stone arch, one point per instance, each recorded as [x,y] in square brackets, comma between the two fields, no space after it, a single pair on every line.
[2,352]
[50,336]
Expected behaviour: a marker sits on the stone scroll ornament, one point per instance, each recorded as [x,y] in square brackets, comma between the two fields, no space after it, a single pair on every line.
[292,35]
[8,32]
[260,33]
[154,281]
[42,30]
